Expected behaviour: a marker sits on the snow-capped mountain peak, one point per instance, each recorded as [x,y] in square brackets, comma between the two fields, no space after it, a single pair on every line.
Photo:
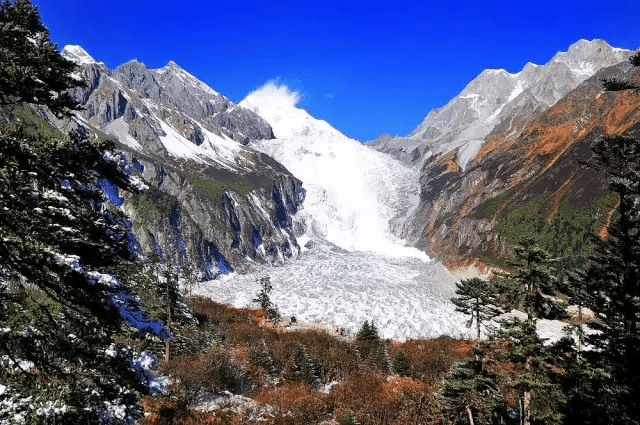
[172,68]
[354,195]
[277,104]
[78,55]
[585,57]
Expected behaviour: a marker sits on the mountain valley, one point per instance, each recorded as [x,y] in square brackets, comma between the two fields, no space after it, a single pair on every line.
[262,187]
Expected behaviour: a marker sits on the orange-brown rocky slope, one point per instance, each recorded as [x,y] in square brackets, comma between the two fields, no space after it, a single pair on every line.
[463,217]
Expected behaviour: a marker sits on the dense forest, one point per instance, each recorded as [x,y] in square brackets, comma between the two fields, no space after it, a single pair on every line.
[94,330]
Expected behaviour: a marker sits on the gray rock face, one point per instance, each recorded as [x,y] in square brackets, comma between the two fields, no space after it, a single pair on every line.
[212,200]
[499,97]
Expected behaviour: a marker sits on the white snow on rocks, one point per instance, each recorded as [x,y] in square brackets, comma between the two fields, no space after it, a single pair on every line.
[78,55]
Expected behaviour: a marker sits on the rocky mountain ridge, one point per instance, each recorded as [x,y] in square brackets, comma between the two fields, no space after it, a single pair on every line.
[212,200]
[528,181]
[498,97]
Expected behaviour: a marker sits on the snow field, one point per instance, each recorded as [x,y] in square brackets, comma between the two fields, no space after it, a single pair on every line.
[405,297]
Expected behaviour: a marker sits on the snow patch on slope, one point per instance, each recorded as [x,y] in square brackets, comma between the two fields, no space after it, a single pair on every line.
[120,129]
[215,150]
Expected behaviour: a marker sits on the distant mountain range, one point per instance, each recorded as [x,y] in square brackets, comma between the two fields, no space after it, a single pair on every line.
[509,147]
[504,158]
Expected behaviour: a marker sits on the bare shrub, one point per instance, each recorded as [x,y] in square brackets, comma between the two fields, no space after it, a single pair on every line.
[431,359]
[376,398]
[162,411]
[296,400]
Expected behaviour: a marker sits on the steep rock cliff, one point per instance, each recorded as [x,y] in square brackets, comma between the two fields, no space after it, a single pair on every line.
[212,200]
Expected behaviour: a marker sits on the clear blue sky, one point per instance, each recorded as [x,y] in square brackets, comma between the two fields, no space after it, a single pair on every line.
[365,67]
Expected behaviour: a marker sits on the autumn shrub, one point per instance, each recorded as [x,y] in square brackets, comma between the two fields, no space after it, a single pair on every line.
[212,372]
[376,398]
[247,334]
[245,354]
[431,359]
[335,357]
[162,411]
[209,311]
[297,400]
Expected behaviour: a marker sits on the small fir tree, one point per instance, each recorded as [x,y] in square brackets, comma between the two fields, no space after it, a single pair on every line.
[301,368]
[368,332]
[349,418]
[381,358]
[401,364]
[263,298]
[260,355]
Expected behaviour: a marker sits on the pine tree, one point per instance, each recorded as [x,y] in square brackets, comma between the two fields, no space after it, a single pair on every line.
[32,70]
[61,246]
[263,298]
[471,392]
[164,299]
[613,282]
[603,386]
[534,375]
[170,294]
[615,84]
[368,332]
[477,298]
[533,285]
[189,272]
[401,364]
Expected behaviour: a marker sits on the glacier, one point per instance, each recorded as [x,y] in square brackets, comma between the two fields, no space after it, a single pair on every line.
[353,266]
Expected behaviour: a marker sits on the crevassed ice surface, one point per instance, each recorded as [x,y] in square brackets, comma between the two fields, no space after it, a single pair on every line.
[352,267]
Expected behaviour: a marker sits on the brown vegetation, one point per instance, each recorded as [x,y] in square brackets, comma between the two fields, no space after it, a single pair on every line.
[248,357]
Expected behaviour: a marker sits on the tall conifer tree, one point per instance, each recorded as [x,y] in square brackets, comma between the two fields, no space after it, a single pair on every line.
[603,380]
[477,298]
[61,244]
